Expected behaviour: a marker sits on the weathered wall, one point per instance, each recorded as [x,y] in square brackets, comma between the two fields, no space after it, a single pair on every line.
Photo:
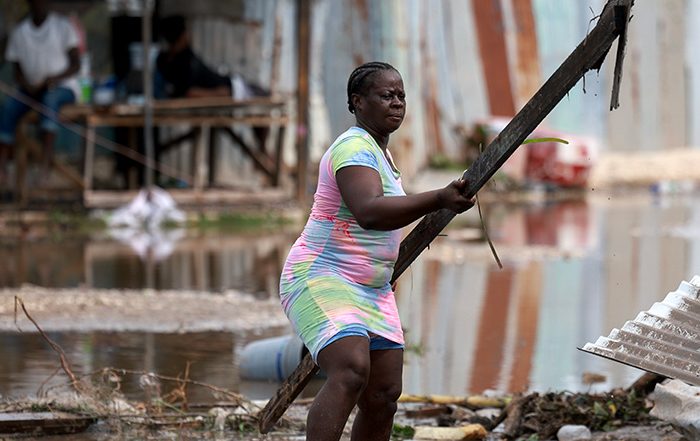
[462,61]
[458,69]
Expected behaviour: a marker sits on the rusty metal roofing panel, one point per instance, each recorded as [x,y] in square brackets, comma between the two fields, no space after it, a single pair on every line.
[664,339]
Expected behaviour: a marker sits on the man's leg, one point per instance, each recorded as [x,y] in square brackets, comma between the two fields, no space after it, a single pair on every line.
[11,111]
[52,100]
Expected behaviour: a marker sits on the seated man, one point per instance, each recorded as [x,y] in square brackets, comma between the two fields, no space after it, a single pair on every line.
[44,51]
[186,75]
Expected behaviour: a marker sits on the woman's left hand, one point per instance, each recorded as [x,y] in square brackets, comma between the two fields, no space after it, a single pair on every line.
[453,198]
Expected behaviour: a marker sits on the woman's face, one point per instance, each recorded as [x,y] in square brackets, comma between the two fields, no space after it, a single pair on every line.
[383,106]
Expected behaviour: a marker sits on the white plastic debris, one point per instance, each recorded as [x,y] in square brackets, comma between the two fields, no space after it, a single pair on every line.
[149,209]
[679,404]
[220,415]
[141,224]
[572,432]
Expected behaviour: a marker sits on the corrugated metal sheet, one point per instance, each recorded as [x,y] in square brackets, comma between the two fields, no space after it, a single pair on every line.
[445,51]
[665,339]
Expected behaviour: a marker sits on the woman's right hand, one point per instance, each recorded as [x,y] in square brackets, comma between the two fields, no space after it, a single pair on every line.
[453,197]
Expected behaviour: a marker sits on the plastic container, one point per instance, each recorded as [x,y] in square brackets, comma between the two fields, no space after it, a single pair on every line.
[272,359]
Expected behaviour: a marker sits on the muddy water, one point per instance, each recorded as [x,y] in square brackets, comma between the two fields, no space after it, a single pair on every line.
[572,271]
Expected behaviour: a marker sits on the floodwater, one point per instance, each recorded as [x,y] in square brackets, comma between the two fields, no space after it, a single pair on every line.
[572,271]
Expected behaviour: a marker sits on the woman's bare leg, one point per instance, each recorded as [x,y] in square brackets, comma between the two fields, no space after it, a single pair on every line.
[377,404]
[347,366]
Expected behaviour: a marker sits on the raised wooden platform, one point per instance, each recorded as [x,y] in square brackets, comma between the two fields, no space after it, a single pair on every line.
[193,198]
[203,116]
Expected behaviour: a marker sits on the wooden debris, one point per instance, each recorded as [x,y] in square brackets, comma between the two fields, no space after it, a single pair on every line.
[472,402]
[645,384]
[593,378]
[43,423]
[427,412]
[468,432]
[286,394]
[514,416]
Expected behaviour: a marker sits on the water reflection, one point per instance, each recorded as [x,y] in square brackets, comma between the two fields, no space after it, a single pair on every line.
[572,271]
[196,260]
[28,362]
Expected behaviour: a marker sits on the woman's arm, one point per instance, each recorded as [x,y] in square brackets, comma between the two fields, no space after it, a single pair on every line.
[361,190]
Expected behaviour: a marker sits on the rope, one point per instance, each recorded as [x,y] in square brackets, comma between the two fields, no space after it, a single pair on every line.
[74,127]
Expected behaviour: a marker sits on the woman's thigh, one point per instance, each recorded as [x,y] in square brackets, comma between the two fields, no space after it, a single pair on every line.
[349,353]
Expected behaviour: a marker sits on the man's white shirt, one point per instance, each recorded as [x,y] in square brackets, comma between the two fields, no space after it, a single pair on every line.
[43,51]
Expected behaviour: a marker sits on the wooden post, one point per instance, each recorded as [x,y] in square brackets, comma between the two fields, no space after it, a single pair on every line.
[200,157]
[213,156]
[302,132]
[279,144]
[147,92]
[89,155]
[21,165]
[589,54]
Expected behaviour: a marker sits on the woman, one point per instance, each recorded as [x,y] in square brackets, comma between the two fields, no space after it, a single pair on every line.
[335,283]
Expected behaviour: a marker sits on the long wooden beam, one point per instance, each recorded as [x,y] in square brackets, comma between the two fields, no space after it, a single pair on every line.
[589,54]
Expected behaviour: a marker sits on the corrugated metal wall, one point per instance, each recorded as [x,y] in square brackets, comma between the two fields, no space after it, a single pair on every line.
[465,60]
[462,61]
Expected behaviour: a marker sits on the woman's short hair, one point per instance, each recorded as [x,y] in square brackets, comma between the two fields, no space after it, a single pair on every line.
[357,83]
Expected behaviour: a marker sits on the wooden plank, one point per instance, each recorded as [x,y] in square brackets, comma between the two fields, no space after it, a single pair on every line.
[21,166]
[190,134]
[89,155]
[588,54]
[213,158]
[289,390]
[187,104]
[212,120]
[260,159]
[279,144]
[68,172]
[201,168]
[43,423]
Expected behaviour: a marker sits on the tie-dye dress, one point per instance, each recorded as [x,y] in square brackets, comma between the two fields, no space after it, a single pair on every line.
[336,276]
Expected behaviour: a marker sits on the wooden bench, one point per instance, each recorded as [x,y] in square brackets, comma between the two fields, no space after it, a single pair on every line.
[203,115]
[27,145]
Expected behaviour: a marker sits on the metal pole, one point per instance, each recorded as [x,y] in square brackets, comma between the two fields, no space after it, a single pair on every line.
[147,91]
[303,60]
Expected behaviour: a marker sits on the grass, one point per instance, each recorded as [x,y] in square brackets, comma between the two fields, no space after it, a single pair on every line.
[251,221]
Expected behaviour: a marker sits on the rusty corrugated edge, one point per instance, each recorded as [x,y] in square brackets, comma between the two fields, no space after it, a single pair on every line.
[664,340]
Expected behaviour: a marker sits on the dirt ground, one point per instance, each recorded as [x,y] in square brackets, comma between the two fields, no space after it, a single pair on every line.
[293,429]
[235,311]
[134,310]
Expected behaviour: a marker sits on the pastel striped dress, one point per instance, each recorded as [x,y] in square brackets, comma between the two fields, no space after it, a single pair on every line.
[337,273]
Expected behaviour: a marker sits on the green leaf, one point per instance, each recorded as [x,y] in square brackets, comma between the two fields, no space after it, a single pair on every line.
[534,140]
[399,432]
[599,410]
